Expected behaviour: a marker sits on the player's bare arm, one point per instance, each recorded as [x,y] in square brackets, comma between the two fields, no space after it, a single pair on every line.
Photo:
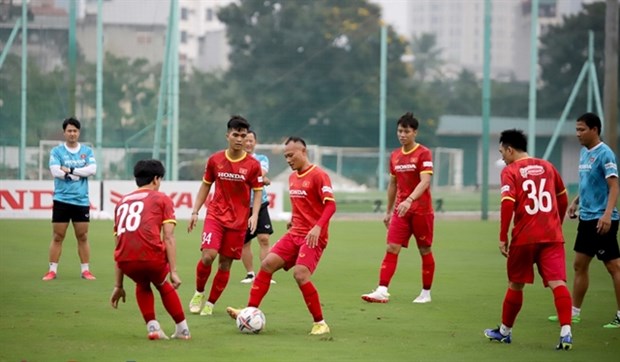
[604,223]
[253,221]
[203,192]
[391,196]
[572,208]
[171,253]
[118,293]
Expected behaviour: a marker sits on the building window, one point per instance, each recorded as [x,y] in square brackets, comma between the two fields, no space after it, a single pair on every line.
[209,15]
[183,37]
[184,13]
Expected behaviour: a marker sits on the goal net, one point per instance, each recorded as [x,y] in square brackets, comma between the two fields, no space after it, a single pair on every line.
[448,168]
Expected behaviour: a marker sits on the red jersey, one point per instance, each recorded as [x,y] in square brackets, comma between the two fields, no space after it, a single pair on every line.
[533,185]
[407,168]
[138,219]
[308,192]
[230,205]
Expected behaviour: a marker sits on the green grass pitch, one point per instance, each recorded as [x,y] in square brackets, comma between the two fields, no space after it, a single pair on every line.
[70,319]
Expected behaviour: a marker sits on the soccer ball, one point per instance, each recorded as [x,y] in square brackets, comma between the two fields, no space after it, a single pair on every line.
[251,320]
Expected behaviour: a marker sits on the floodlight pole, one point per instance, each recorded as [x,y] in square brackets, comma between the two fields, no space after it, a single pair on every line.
[72,57]
[531,142]
[24,89]
[382,101]
[99,88]
[486,109]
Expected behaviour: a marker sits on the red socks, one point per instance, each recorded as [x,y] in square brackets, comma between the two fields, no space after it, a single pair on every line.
[146,301]
[512,305]
[563,304]
[428,270]
[311,297]
[388,267]
[219,284]
[202,275]
[171,301]
[260,287]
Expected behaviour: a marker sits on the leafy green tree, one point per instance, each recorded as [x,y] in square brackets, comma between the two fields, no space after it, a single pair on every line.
[46,102]
[129,98]
[564,49]
[427,60]
[311,68]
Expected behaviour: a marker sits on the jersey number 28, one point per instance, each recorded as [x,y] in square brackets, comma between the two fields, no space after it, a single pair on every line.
[129,217]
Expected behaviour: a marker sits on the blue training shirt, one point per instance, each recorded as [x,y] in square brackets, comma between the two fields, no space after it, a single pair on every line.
[595,166]
[264,164]
[70,191]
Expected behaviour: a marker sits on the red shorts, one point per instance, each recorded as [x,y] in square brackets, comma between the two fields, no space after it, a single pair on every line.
[145,272]
[420,226]
[227,242]
[548,257]
[294,250]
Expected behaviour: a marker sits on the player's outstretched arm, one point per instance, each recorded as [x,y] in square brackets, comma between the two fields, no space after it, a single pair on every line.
[203,192]
[118,293]
[171,253]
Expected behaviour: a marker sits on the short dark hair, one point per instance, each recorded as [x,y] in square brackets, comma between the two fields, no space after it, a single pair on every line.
[253,133]
[591,120]
[514,138]
[408,120]
[71,121]
[237,123]
[295,140]
[146,170]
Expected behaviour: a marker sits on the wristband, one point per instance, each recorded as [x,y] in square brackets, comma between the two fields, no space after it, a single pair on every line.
[71,170]
[194,213]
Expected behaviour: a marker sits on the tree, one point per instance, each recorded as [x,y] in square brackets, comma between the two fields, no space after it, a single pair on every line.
[46,102]
[427,61]
[311,68]
[129,98]
[564,49]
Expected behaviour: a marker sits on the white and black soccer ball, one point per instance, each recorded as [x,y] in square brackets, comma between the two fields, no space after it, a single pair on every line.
[251,320]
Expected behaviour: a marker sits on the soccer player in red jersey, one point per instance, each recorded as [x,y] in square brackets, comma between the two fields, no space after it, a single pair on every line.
[532,190]
[234,173]
[140,217]
[411,168]
[313,204]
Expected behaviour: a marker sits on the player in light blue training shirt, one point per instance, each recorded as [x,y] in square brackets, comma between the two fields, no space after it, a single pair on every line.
[71,163]
[263,227]
[597,233]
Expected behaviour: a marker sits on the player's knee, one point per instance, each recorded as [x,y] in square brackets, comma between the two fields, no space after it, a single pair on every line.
[58,238]
[613,267]
[302,275]
[263,240]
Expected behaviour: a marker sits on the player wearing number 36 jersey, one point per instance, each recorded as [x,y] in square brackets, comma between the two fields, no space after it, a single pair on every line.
[531,187]
[534,193]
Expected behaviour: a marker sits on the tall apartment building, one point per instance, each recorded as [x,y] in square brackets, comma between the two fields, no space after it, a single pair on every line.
[459,29]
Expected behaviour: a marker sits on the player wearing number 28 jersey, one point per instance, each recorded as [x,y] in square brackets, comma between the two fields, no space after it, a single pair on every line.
[145,251]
